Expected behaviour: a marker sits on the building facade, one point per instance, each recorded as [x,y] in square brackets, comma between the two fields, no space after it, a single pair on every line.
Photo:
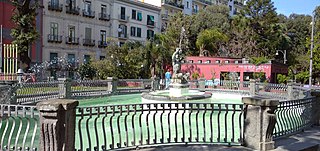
[240,69]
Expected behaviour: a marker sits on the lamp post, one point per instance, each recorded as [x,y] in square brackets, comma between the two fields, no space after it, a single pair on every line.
[284,52]
[311,51]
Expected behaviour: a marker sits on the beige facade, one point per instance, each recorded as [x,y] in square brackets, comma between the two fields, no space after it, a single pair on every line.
[134,21]
[79,29]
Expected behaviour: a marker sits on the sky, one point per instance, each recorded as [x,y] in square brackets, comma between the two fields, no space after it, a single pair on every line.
[288,7]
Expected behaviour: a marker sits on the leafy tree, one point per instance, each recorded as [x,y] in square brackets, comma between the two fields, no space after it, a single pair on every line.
[209,41]
[24,33]
[86,70]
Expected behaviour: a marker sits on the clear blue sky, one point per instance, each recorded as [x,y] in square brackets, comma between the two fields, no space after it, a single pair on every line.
[287,7]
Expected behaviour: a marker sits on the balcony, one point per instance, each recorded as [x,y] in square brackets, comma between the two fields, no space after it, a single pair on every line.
[55,7]
[123,18]
[72,40]
[122,36]
[54,38]
[165,16]
[72,10]
[104,16]
[172,3]
[205,2]
[87,13]
[150,23]
[88,42]
[195,11]
[102,44]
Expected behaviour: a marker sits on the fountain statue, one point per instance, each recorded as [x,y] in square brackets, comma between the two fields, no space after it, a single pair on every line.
[179,86]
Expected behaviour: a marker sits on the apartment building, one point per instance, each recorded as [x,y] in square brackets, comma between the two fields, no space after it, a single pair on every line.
[76,29]
[235,6]
[134,21]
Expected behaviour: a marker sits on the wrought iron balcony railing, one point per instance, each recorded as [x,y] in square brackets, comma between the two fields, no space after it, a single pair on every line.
[150,23]
[88,42]
[55,6]
[122,36]
[72,40]
[123,18]
[104,16]
[87,13]
[54,38]
[102,44]
[172,3]
[72,10]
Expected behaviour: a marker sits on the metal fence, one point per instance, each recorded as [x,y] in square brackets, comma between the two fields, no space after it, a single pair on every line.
[293,116]
[272,90]
[86,88]
[138,125]
[19,127]
[37,91]
[134,85]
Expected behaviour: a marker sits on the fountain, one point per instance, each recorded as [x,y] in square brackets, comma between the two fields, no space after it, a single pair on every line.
[179,86]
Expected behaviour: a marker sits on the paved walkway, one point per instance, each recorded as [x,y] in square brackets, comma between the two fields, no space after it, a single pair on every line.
[308,140]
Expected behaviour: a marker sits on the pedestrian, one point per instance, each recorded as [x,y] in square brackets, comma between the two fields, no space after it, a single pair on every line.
[168,77]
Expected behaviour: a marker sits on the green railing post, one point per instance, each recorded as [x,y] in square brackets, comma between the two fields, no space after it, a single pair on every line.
[259,122]
[57,124]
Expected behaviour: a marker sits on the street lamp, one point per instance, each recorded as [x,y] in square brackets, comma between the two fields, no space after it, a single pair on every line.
[284,52]
[311,51]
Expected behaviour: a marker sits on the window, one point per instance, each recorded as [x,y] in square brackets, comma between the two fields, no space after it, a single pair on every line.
[150,20]
[190,61]
[187,4]
[71,34]
[87,6]
[54,29]
[87,33]
[217,61]
[53,57]
[86,58]
[138,32]
[103,35]
[226,61]
[123,13]
[236,62]
[102,57]
[133,31]
[150,34]
[103,9]
[196,8]
[230,8]
[71,58]
[71,3]
[199,61]
[134,14]
[208,61]
[122,31]
[54,2]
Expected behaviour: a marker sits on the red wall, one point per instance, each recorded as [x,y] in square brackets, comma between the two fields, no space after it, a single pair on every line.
[208,69]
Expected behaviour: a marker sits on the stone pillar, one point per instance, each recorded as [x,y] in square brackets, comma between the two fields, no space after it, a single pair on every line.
[57,124]
[252,87]
[290,90]
[202,83]
[64,88]
[259,122]
[155,84]
[316,108]
[112,85]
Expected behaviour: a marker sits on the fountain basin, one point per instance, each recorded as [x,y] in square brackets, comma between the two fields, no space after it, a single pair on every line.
[165,95]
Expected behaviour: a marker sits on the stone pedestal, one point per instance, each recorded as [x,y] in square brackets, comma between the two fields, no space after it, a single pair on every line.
[259,122]
[64,88]
[57,125]
[112,85]
[176,89]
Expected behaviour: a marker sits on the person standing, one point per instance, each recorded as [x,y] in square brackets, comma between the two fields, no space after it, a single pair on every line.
[168,77]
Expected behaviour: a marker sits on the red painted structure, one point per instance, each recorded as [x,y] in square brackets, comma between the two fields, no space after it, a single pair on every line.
[6,11]
[213,67]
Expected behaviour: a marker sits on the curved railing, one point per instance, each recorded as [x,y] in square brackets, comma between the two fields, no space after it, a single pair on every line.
[294,116]
[138,125]
[19,127]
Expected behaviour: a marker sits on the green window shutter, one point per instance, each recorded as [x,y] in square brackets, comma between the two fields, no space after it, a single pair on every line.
[152,18]
[139,16]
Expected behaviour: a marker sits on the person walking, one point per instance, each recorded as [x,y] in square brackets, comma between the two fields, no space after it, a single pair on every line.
[168,77]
